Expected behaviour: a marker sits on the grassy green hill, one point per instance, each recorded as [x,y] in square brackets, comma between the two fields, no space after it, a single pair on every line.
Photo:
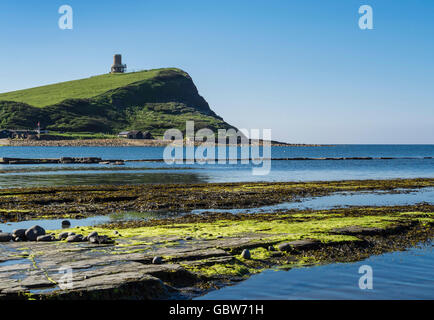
[152,100]
[79,89]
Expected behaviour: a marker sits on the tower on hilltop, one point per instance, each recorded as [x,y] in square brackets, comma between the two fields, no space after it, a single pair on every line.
[117,66]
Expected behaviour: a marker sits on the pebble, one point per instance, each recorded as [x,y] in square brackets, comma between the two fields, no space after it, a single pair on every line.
[245,254]
[157,260]
[92,234]
[63,235]
[93,239]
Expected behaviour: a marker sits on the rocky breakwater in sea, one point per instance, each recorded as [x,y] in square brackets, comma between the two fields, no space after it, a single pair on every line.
[62,160]
[37,233]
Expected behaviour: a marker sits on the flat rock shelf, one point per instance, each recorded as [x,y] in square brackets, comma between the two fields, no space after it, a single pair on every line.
[186,257]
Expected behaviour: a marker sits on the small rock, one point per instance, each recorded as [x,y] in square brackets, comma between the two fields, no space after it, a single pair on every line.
[104,240]
[285,247]
[75,238]
[271,248]
[71,234]
[20,233]
[93,239]
[6,237]
[189,238]
[93,234]
[157,260]
[100,240]
[66,224]
[116,232]
[47,237]
[63,235]
[245,254]
[34,232]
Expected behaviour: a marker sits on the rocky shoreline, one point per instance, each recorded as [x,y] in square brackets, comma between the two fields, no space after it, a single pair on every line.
[181,260]
[185,256]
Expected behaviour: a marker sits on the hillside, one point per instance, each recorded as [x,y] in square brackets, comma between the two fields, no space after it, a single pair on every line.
[152,100]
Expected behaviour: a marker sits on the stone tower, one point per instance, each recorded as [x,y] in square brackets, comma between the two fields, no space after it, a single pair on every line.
[117,66]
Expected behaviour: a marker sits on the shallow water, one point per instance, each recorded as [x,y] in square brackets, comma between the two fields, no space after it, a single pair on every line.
[396,275]
[342,200]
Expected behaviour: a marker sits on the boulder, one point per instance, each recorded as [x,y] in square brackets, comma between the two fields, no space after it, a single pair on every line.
[66,224]
[100,240]
[74,238]
[19,233]
[6,237]
[47,237]
[34,232]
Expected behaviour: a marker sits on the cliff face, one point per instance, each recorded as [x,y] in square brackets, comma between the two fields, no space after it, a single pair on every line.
[165,100]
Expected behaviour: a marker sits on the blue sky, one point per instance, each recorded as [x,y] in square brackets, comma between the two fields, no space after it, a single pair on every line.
[302,68]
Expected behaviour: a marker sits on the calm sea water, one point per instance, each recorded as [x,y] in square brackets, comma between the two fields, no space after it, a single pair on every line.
[396,275]
[145,172]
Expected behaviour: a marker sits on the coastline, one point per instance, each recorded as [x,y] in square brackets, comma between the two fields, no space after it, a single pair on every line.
[117,142]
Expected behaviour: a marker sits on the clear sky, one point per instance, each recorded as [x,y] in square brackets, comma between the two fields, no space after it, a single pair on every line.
[302,68]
